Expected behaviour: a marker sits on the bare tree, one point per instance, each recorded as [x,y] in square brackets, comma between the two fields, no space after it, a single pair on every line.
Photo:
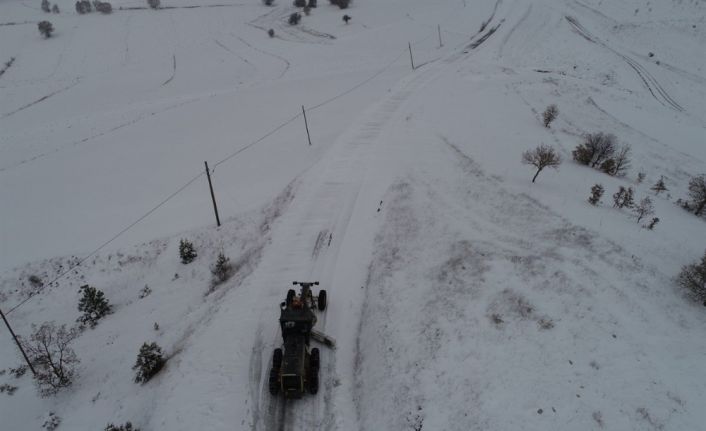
[644,208]
[621,161]
[541,157]
[550,114]
[596,193]
[693,278]
[53,359]
[697,193]
[623,198]
[595,149]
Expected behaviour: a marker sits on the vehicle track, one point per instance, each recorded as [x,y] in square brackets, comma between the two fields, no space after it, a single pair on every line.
[318,220]
[284,60]
[654,87]
[40,100]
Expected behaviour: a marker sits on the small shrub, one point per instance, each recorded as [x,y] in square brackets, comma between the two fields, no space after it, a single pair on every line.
[53,360]
[268,2]
[86,6]
[93,304]
[294,18]
[307,10]
[149,361]
[653,223]
[154,4]
[271,32]
[623,198]
[9,389]
[145,292]
[299,3]
[640,177]
[608,166]
[697,194]
[103,7]
[346,18]
[644,208]
[550,115]
[55,8]
[596,194]
[35,281]
[45,28]
[222,270]
[45,6]
[693,278]
[52,422]
[659,186]
[19,371]
[541,157]
[312,4]
[187,251]
[127,426]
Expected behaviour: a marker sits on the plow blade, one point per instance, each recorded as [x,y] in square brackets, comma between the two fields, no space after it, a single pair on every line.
[323,338]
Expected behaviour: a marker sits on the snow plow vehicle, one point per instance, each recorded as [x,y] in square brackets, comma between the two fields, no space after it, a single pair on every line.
[295,367]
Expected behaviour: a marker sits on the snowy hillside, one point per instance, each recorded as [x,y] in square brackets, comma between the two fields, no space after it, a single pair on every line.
[462,296]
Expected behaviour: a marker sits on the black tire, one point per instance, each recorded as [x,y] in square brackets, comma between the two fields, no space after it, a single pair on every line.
[314,360]
[322,300]
[274,381]
[313,381]
[277,359]
[290,296]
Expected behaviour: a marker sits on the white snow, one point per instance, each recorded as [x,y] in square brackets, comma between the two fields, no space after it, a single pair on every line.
[462,296]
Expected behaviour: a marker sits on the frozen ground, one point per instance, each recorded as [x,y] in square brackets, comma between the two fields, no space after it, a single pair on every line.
[462,296]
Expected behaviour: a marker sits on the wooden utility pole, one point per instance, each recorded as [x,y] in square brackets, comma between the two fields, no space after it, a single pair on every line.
[213,196]
[306,124]
[19,346]
[439,28]
[411,59]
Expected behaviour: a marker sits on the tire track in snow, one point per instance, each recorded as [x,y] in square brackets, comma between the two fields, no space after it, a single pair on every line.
[173,71]
[244,60]
[40,100]
[512,30]
[654,87]
[286,62]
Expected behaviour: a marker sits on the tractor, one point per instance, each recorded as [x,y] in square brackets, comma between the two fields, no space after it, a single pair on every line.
[295,368]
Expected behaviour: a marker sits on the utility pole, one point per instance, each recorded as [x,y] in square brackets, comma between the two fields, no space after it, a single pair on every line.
[439,28]
[18,343]
[213,196]
[308,136]
[411,59]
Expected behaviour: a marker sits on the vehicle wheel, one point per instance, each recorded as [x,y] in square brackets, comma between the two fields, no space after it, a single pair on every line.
[274,381]
[322,300]
[313,381]
[277,359]
[290,295]
[314,359]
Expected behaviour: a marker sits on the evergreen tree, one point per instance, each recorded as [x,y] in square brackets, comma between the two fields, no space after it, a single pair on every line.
[93,304]
[659,186]
[45,6]
[222,270]
[186,251]
[45,28]
[55,8]
[149,361]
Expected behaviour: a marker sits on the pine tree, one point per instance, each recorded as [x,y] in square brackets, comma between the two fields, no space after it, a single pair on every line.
[659,186]
[55,8]
[46,28]
[222,270]
[45,6]
[186,251]
[596,193]
[93,305]
[149,361]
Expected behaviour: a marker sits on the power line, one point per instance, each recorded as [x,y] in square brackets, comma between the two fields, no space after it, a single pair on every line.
[130,226]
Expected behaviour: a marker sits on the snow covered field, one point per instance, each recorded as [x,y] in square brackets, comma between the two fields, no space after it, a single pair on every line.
[462,296]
